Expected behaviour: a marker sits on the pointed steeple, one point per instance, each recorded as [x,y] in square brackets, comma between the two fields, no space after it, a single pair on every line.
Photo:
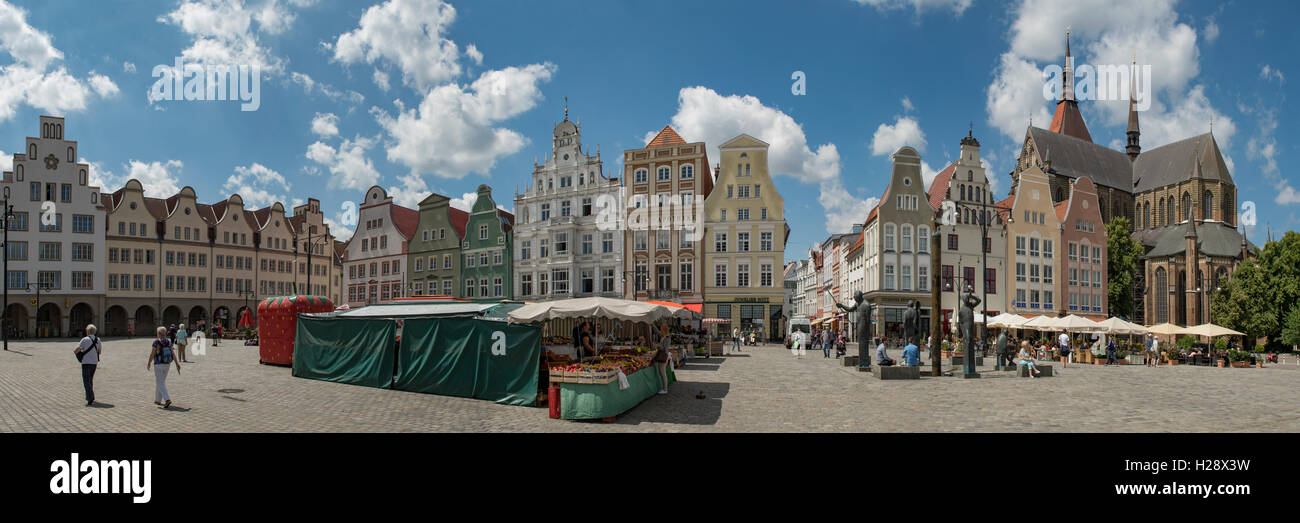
[1067,76]
[1134,147]
[1068,120]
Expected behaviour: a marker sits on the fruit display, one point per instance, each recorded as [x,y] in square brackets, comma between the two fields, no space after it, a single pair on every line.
[603,369]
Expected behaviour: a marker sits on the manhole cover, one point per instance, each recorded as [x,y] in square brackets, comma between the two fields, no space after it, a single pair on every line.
[230,391]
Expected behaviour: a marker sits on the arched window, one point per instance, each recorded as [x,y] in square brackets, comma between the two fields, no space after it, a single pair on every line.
[1169,211]
[970,176]
[746,169]
[1060,194]
[1229,212]
[45,130]
[962,191]
[70,156]
[1207,206]
[1161,291]
[59,131]
[31,152]
[1146,215]
[1187,206]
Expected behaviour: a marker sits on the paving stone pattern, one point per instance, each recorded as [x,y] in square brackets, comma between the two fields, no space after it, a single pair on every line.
[762,389]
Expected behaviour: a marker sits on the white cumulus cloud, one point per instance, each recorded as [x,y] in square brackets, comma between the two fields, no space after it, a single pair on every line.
[407,34]
[325,124]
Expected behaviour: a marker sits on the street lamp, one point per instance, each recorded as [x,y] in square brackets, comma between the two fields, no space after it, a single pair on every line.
[310,246]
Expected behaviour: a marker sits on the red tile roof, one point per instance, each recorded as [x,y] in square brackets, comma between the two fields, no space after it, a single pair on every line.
[205,212]
[509,220]
[1069,121]
[939,186]
[876,208]
[1004,207]
[1062,208]
[458,220]
[667,136]
[406,220]
[157,207]
[219,210]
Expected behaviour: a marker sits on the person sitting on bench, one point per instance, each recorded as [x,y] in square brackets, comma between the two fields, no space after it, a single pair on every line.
[882,358]
[1027,359]
[912,354]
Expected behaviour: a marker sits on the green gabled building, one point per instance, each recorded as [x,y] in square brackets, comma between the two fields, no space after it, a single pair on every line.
[487,249]
[434,259]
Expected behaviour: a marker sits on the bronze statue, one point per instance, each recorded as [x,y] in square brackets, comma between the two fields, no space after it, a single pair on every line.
[861,318]
[966,322]
[912,323]
[1003,352]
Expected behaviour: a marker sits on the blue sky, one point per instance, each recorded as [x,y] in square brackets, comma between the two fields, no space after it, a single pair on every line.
[424,95]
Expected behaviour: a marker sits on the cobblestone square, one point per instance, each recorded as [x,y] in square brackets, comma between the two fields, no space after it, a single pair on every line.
[762,389]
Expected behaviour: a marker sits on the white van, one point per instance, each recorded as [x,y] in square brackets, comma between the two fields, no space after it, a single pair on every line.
[801,327]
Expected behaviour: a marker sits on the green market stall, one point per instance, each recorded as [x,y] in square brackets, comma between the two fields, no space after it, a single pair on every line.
[448,349]
[593,388]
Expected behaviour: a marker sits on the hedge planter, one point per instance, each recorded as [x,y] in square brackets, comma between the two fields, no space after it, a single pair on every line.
[1241,364]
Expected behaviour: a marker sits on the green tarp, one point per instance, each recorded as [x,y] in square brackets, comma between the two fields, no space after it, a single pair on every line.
[585,401]
[359,352]
[470,358]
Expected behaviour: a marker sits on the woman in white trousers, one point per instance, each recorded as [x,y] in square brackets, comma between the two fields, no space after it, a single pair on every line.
[160,359]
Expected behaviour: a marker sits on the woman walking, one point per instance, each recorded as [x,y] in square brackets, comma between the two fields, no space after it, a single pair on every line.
[160,358]
[182,339]
[661,357]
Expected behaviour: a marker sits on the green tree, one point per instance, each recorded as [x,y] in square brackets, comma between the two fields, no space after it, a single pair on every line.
[1244,302]
[1291,327]
[1124,254]
[1280,260]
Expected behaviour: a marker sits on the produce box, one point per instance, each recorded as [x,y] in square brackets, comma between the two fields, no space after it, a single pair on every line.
[586,377]
[605,376]
[557,376]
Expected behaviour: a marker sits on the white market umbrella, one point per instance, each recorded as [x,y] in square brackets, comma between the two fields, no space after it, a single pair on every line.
[979,319]
[1007,320]
[1210,330]
[1166,329]
[1041,323]
[1074,323]
[611,308]
[1114,325]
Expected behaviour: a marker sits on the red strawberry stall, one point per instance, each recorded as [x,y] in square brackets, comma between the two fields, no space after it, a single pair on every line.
[278,322]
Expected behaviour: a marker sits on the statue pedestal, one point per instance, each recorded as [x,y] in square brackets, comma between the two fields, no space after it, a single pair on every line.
[970,376]
[850,361]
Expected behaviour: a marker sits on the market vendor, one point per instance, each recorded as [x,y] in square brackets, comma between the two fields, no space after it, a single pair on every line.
[586,343]
[661,357]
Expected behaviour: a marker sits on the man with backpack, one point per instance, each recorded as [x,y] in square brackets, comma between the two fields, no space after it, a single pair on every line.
[87,352]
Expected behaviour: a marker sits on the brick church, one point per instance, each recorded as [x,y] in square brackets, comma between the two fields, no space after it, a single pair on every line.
[1179,197]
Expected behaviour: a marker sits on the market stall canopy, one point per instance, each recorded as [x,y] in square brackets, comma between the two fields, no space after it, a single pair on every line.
[1074,323]
[1210,330]
[407,309]
[1007,320]
[1136,328]
[1165,329]
[597,308]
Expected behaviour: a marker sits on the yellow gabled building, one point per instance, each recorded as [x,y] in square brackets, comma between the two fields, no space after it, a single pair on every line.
[744,242]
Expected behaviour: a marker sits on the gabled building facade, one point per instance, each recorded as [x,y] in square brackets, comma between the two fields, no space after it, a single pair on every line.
[746,233]
[487,251]
[1084,265]
[902,222]
[56,240]
[377,251]
[1033,237]
[434,254]
[559,230]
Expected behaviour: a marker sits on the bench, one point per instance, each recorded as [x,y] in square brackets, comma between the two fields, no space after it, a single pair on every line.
[958,361]
[902,372]
[1045,371]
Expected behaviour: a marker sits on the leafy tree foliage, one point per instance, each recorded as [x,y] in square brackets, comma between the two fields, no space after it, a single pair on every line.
[1124,255]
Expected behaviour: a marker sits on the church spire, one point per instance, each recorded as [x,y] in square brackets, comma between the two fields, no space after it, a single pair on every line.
[1134,147]
[1067,75]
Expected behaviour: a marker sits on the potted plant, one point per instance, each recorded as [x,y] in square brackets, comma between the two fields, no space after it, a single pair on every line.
[1170,356]
[1098,355]
[1122,354]
[946,351]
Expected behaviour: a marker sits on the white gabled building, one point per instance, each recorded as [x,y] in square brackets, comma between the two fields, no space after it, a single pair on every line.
[375,260]
[64,254]
[559,250]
